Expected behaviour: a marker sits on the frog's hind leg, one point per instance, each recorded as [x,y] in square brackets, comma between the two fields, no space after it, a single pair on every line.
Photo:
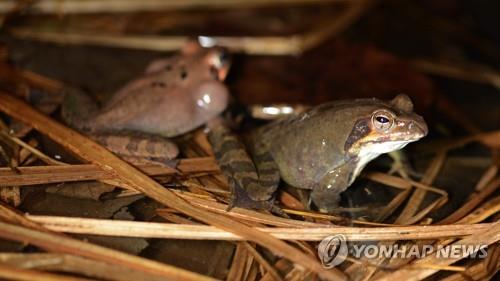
[267,170]
[252,186]
[139,148]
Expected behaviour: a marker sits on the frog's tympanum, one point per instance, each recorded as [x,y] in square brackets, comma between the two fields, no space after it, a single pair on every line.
[323,149]
[174,95]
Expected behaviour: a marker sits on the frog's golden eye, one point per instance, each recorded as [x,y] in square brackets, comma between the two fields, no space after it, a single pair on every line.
[382,121]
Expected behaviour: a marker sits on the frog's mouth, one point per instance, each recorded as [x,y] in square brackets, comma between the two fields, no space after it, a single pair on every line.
[380,147]
[375,144]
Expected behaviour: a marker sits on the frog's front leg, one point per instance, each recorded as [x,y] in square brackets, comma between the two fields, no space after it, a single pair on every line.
[253,183]
[139,148]
[326,193]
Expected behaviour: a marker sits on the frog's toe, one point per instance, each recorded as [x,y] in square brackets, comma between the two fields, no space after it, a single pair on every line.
[275,209]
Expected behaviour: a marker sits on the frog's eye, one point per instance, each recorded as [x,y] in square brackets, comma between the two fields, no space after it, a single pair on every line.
[382,121]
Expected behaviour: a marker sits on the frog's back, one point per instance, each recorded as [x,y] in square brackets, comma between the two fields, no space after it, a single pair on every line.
[174,96]
[311,144]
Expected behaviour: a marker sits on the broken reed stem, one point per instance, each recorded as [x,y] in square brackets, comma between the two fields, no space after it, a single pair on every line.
[204,232]
[54,174]
[93,152]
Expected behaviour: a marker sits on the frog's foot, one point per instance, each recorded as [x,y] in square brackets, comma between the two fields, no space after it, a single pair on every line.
[324,200]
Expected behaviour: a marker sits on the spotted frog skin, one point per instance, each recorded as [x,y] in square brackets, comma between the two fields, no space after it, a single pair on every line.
[323,149]
[174,96]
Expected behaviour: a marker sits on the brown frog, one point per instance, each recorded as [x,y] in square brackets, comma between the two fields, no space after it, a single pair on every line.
[174,96]
[322,149]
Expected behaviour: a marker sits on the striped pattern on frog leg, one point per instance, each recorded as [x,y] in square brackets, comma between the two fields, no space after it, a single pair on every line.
[252,184]
[143,147]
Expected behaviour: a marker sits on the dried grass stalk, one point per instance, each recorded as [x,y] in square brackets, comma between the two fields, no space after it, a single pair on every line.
[204,232]
[53,174]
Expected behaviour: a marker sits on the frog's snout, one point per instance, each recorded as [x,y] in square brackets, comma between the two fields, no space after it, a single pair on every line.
[212,97]
[419,127]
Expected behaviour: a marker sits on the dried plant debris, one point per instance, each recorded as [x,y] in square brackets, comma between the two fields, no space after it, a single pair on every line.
[71,210]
